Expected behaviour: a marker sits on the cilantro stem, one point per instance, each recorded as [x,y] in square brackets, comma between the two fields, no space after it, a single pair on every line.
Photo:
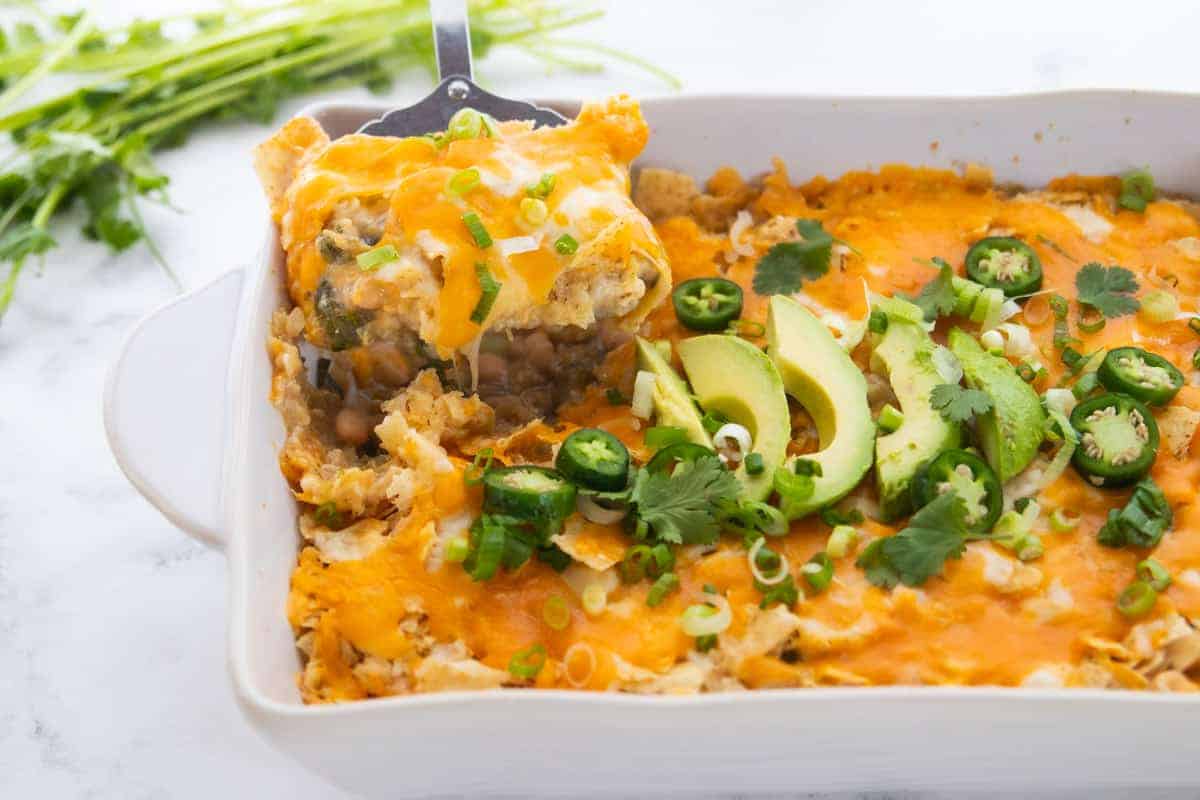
[82,28]
[41,218]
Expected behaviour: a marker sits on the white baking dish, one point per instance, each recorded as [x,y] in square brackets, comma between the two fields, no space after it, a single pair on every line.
[188,419]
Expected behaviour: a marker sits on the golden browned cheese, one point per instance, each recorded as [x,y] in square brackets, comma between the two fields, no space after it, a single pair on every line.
[988,619]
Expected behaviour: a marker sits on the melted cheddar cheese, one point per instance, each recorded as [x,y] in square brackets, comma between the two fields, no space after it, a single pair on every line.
[385,622]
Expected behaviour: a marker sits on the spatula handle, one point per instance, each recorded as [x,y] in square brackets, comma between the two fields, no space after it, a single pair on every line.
[451,38]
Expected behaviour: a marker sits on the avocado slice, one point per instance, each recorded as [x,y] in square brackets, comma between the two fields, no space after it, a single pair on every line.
[1012,431]
[905,352]
[734,377]
[822,377]
[673,404]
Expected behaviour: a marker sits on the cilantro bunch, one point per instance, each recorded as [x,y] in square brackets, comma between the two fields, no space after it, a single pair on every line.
[148,84]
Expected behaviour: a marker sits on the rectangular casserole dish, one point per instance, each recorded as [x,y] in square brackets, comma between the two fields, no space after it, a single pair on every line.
[210,465]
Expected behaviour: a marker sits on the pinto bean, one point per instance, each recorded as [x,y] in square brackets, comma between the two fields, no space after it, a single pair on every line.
[352,426]
[493,369]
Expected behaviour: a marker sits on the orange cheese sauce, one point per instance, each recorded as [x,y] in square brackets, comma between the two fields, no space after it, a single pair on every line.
[958,628]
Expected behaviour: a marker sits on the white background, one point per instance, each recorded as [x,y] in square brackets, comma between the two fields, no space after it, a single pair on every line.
[112,623]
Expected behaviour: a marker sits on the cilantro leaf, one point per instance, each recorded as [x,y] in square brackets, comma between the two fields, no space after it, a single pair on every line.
[1109,290]
[681,508]
[957,404]
[937,297]
[24,240]
[787,265]
[917,553]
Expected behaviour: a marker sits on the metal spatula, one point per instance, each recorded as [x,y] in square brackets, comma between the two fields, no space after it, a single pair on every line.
[452,44]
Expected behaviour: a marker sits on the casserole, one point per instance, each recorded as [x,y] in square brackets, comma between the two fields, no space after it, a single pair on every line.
[812,738]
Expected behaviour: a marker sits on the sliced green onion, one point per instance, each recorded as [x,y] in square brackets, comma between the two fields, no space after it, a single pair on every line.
[1137,599]
[463,181]
[890,418]
[1137,190]
[457,549]
[667,582]
[534,211]
[818,572]
[706,643]
[706,619]
[1062,520]
[1154,573]
[746,328]
[467,123]
[841,541]
[594,599]
[473,474]
[660,436]
[488,551]
[806,466]
[1022,503]
[1072,358]
[1086,384]
[542,189]
[527,663]
[489,288]
[754,464]
[1027,372]
[877,322]
[614,397]
[1090,320]
[1196,359]
[556,613]
[833,516]
[1160,306]
[374,259]
[474,224]
[712,421]
[327,514]
[1194,324]
[566,245]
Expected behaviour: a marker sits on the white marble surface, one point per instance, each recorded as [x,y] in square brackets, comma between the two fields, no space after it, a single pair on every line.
[112,623]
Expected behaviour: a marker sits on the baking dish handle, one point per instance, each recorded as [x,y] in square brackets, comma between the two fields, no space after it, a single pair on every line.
[164,405]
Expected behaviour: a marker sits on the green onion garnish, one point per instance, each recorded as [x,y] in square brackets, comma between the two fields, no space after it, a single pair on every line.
[556,613]
[1160,306]
[712,421]
[1194,324]
[1022,503]
[457,549]
[1072,358]
[467,123]
[754,464]
[1086,384]
[614,396]
[1027,372]
[542,189]
[489,549]
[1062,520]
[667,582]
[463,181]
[533,211]
[483,240]
[1137,599]
[1091,320]
[1154,573]
[489,288]
[706,643]
[527,663]
[805,466]
[490,129]
[877,322]
[841,541]
[633,566]
[818,572]
[1196,359]
[374,259]
[473,474]
[661,436]
[1137,190]
[594,599]
[890,418]
[328,515]
[566,245]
